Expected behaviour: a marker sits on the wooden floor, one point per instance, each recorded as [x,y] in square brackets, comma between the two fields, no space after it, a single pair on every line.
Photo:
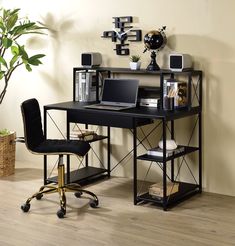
[206,219]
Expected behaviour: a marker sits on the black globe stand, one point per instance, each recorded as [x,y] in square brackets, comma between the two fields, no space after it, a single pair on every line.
[153,65]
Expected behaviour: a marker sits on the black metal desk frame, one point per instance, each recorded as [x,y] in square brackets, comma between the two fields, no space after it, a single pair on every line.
[136,116]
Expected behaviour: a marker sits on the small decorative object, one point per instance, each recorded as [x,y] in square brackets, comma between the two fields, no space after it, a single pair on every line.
[7,152]
[12,53]
[170,144]
[126,33]
[154,41]
[135,62]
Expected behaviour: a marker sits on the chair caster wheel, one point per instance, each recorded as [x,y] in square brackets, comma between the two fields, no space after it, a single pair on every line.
[61,213]
[39,196]
[25,207]
[94,203]
[78,194]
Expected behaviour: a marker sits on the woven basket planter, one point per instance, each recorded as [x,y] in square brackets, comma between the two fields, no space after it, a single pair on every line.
[7,154]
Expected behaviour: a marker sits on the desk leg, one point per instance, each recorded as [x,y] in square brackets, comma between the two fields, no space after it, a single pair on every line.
[86,157]
[45,157]
[108,151]
[164,124]
[200,150]
[68,156]
[172,161]
[134,162]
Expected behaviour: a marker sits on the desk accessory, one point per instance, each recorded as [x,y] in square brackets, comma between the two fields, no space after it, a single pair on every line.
[179,62]
[178,90]
[135,62]
[91,59]
[149,96]
[154,41]
[125,33]
[85,86]
[117,94]
[168,103]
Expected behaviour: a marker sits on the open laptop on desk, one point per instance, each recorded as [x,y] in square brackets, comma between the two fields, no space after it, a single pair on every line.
[117,94]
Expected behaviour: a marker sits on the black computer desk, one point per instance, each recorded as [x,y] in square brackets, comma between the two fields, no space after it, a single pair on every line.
[129,118]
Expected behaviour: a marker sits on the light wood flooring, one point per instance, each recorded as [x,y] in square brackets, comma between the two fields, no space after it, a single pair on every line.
[206,219]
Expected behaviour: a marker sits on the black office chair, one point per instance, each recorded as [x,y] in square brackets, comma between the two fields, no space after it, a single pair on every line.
[37,143]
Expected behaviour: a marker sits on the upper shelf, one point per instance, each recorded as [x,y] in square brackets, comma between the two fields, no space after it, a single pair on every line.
[141,71]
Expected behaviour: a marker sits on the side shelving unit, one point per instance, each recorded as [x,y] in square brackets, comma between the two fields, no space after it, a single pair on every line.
[168,164]
[185,189]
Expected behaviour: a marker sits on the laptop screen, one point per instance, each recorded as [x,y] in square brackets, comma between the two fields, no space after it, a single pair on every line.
[120,91]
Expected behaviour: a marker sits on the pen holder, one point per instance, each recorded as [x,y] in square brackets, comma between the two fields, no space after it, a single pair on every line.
[168,103]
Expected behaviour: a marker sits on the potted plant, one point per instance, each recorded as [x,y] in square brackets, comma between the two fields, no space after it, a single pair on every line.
[135,62]
[7,152]
[12,53]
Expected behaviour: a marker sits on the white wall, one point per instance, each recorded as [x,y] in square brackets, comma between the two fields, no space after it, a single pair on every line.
[202,28]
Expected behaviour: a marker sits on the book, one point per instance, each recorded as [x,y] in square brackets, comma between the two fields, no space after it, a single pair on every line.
[157,151]
[176,89]
[85,135]
[156,190]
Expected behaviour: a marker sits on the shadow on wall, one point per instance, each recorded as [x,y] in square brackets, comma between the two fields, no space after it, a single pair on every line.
[209,55]
[58,33]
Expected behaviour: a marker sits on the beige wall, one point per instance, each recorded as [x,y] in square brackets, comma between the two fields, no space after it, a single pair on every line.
[202,28]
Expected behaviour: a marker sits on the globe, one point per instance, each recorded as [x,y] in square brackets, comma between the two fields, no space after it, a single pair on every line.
[154,41]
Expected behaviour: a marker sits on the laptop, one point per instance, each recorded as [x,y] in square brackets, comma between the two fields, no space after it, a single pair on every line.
[117,94]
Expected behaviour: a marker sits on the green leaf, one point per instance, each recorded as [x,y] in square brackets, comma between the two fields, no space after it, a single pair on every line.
[11,21]
[2,74]
[2,27]
[13,60]
[4,132]
[34,60]
[14,50]
[27,66]
[3,62]
[23,53]
[5,13]
[7,42]
[15,11]
[18,30]
[38,56]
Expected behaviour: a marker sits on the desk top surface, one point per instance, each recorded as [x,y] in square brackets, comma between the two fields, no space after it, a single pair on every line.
[138,112]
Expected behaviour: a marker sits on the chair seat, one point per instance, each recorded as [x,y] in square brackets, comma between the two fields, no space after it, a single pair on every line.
[63,146]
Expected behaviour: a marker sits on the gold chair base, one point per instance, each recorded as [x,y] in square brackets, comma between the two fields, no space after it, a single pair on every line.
[61,188]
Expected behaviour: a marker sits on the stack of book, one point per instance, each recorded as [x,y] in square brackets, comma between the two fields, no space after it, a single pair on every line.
[84,135]
[157,151]
[156,190]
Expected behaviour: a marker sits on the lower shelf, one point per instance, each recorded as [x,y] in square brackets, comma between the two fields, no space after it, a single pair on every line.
[83,175]
[186,190]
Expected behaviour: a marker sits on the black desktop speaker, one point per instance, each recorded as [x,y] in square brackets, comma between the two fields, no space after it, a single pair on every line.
[91,59]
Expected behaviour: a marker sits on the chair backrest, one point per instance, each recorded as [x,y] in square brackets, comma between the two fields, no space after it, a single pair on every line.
[33,132]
